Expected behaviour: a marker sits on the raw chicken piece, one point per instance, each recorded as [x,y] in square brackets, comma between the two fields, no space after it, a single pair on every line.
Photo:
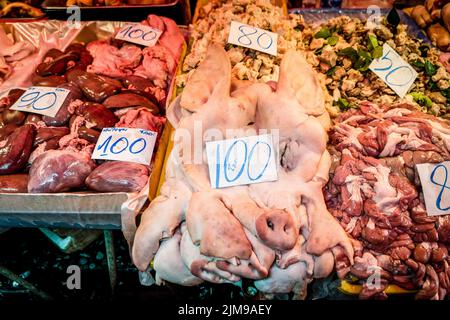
[118,176]
[111,61]
[59,170]
[14,51]
[170,267]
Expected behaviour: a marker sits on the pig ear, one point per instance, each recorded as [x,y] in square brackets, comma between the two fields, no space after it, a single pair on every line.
[299,81]
[215,69]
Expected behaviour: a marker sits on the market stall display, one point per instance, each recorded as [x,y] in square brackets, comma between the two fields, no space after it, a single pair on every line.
[342,48]
[344,198]
[104,91]
[375,193]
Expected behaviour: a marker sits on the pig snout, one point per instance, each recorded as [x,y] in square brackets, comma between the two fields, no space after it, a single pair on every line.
[277,230]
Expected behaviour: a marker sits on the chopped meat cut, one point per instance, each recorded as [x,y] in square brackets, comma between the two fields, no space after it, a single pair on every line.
[118,176]
[375,193]
[60,170]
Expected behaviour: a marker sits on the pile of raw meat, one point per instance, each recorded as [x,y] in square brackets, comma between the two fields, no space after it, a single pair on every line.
[157,64]
[41,154]
[375,193]
[12,54]
[279,234]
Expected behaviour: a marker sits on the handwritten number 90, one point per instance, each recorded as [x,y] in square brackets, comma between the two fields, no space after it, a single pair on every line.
[392,72]
[247,162]
[264,40]
[137,146]
[32,99]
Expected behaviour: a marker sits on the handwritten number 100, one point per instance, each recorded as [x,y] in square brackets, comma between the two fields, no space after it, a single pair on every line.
[248,157]
[133,147]
[138,33]
[245,39]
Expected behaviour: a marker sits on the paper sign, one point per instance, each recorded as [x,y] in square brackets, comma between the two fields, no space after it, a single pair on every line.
[394,71]
[140,34]
[241,161]
[125,144]
[435,182]
[41,100]
[254,38]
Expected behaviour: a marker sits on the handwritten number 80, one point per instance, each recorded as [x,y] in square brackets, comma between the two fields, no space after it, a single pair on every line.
[245,39]
[248,157]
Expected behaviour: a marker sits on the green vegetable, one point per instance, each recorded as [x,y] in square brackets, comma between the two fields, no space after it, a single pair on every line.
[364,61]
[421,99]
[324,33]
[432,86]
[418,64]
[446,93]
[348,52]
[333,40]
[372,42]
[343,104]
[318,52]
[331,71]
[377,53]
[430,69]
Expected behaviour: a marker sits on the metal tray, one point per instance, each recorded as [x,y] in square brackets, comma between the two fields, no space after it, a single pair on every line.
[178,10]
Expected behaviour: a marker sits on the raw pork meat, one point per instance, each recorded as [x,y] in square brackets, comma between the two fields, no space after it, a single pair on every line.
[118,176]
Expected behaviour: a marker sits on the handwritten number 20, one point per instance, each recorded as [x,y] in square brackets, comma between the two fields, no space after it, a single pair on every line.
[246,40]
[248,157]
[394,71]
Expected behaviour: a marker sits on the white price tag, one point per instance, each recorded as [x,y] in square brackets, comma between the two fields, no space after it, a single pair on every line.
[41,100]
[436,187]
[394,71]
[253,38]
[241,161]
[125,144]
[140,34]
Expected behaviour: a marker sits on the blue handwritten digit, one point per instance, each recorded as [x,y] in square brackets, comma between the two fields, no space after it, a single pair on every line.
[385,58]
[125,31]
[393,71]
[115,144]
[259,40]
[104,145]
[440,184]
[246,35]
[136,31]
[218,166]
[226,161]
[250,160]
[49,105]
[153,33]
[135,142]
[28,99]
